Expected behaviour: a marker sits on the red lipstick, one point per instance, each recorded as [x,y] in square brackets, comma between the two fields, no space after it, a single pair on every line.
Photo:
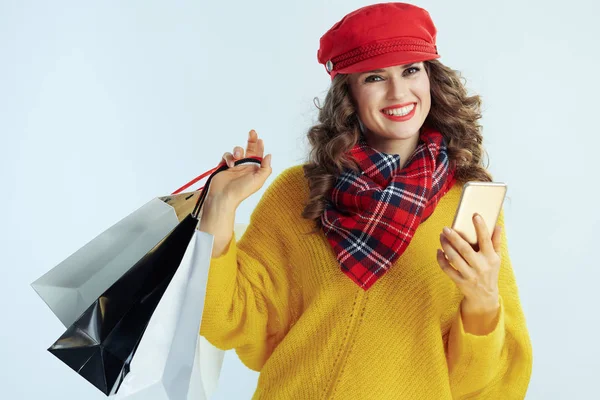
[398,105]
[400,118]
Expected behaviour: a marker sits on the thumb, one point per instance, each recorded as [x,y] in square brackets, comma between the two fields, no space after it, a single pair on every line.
[265,165]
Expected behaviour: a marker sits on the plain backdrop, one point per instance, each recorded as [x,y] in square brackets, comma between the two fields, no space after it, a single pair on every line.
[106,104]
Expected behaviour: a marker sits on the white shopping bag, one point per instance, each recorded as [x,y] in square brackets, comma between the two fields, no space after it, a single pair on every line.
[162,366]
[209,359]
[172,362]
[207,370]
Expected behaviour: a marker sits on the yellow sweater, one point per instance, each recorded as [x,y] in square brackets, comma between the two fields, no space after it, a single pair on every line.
[280,299]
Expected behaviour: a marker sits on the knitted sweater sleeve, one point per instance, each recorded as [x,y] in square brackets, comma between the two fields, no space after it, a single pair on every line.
[497,365]
[248,303]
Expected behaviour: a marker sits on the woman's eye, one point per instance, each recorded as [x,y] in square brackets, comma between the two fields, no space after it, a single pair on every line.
[371,78]
[415,68]
[368,78]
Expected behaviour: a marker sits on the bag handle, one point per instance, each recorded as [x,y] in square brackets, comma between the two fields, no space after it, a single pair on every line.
[212,172]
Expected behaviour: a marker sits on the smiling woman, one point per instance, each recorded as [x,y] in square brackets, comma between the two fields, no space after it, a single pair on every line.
[336,290]
[354,107]
[397,94]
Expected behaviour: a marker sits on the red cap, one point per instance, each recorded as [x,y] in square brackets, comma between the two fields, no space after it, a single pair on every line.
[378,36]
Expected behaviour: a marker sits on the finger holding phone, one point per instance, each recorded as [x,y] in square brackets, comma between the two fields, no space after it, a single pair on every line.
[474,272]
[473,262]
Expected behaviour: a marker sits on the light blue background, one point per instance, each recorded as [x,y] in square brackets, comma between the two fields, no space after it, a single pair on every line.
[106,104]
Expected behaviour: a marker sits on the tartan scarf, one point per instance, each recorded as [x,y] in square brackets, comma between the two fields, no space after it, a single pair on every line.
[371,216]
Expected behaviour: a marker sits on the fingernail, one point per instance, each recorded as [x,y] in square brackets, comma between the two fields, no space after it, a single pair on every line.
[478,217]
[447,230]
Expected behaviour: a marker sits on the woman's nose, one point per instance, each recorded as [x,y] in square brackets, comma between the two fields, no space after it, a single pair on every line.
[397,88]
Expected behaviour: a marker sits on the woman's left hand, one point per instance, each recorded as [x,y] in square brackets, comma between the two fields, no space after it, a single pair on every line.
[474,272]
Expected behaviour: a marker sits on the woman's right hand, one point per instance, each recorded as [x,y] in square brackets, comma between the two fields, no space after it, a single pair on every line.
[237,183]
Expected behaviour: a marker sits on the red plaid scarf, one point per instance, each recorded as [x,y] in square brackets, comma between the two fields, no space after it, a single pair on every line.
[372,216]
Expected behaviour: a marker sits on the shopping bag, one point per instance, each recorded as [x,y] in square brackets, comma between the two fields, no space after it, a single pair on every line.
[73,285]
[153,375]
[101,343]
[164,359]
[209,359]
[206,371]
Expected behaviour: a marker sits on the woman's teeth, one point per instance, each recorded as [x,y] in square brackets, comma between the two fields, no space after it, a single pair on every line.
[400,112]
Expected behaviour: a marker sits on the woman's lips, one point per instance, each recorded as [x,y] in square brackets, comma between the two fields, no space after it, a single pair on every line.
[401,118]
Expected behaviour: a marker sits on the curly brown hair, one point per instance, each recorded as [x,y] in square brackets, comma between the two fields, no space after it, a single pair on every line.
[452,112]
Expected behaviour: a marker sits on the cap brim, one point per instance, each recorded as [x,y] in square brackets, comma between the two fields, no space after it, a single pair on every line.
[387,60]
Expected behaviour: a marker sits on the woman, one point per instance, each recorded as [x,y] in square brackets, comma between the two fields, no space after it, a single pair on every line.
[336,290]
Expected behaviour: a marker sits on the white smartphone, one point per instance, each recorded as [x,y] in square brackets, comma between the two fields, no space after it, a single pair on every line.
[483,198]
